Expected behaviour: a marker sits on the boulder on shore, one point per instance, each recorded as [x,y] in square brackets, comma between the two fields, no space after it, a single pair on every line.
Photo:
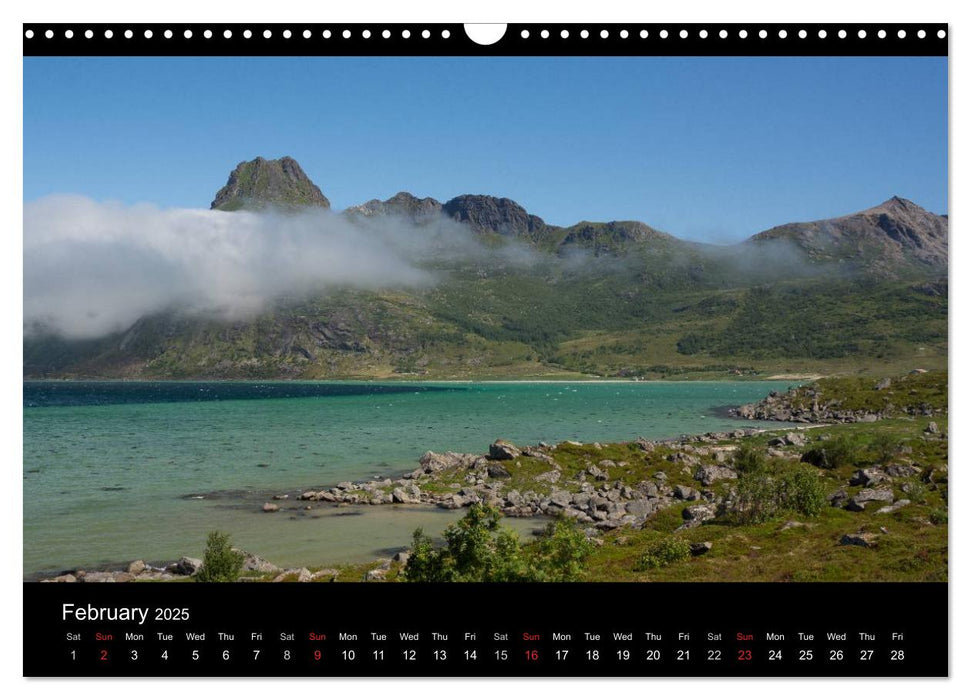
[501,449]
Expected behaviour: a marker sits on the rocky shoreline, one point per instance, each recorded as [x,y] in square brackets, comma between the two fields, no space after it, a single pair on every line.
[605,488]
[588,496]
[809,404]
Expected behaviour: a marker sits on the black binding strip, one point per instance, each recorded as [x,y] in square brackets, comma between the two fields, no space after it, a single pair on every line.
[376,39]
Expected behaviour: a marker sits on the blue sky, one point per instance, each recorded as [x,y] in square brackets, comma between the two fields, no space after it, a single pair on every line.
[705,148]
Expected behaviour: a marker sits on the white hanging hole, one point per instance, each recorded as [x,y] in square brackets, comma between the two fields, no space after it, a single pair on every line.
[487,34]
[683,34]
[822,34]
[405,34]
[564,34]
[901,34]
[207,34]
[187,33]
[167,34]
[129,34]
[287,34]
[703,33]
[29,34]
[941,34]
[89,34]
[584,34]
[524,34]
[643,34]
[723,34]
[783,33]
[545,34]
[921,34]
[742,34]
[842,34]
[247,34]
[425,34]
[604,34]
[882,34]
[267,33]
[227,34]
[366,34]
[763,34]
[663,34]
[386,34]
[69,34]
[148,33]
[803,33]
[624,34]
[307,34]
[861,33]
[346,34]
[446,34]
[326,34]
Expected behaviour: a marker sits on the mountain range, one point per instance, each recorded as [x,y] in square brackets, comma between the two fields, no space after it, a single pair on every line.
[861,292]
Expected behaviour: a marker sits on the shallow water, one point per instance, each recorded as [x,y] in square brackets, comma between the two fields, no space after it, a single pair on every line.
[110,468]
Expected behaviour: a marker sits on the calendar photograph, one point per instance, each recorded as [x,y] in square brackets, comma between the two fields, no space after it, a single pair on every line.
[485,319]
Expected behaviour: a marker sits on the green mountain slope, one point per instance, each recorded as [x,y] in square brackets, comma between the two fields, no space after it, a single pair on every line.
[861,293]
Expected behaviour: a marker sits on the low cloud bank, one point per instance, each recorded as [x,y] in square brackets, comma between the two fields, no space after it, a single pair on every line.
[93,268]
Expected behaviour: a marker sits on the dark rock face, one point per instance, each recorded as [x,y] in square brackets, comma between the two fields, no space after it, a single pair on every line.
[501,215]
[261,183]
[884,239]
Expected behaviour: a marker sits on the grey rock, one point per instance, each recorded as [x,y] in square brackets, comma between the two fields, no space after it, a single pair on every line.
[698,513]
[497,471]
[867,477]
[270,507]
[136,567]
[699,548]
[902,503]
[883,384]
[709,474]
[501,449]
[901,471]
[185,566]
[932,428]
[98,577]
[686,493]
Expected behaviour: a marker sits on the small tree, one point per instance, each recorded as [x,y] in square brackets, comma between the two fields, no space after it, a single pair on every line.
[748,458]
[478,548]
[220,563]
[563,549]
[886,447]
[801,490]
[835,453]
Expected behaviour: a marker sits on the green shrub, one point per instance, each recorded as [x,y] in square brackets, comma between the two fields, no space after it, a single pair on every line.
[478,548]
[665,551]
[916,490]
[748,459]
[220,563]
[562,551]
[885,447]
[834,453]
[938,516]
[753,500]
[801,490]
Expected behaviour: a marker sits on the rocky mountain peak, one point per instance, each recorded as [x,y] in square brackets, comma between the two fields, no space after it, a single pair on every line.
[499,214]
[261,183]
[885,239]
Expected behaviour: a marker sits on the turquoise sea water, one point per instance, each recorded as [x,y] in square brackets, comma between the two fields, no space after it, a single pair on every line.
[115,471]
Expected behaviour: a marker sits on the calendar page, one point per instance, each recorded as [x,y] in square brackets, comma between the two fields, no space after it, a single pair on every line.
[485,350]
